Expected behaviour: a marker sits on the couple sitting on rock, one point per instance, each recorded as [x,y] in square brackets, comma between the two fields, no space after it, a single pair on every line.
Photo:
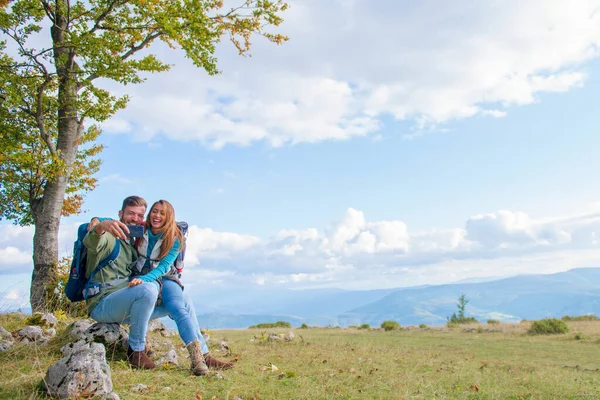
[142,273]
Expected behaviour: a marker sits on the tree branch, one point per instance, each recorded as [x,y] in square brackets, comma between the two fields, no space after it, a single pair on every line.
[48,10]
[103,15]
[128,53]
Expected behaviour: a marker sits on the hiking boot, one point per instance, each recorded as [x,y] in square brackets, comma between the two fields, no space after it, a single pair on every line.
[139,359]
[198,365]
[215,363]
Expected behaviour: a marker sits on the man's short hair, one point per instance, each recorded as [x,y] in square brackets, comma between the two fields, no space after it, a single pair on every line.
[134,201]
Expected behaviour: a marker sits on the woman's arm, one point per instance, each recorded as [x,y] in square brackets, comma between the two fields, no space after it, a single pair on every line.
[163,266]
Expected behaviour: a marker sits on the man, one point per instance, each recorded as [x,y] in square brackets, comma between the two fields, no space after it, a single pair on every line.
[119,303]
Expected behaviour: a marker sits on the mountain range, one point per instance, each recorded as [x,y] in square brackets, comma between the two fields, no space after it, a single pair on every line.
[574,292]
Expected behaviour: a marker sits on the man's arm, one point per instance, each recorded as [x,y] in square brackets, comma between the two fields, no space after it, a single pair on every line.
[118,229]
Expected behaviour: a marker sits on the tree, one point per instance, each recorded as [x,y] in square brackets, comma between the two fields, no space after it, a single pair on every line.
[461,318]
[462,303]
[50,102]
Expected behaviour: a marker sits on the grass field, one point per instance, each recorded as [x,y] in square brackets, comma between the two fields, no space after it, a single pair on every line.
[335,363]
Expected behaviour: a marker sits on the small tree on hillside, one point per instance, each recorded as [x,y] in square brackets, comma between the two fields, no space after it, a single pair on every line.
[462,304]
[461,318]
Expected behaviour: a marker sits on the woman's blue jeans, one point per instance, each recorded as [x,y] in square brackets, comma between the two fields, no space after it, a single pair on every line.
[181,309]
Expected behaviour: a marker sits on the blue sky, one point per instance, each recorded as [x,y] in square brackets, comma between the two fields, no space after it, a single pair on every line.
[412,145]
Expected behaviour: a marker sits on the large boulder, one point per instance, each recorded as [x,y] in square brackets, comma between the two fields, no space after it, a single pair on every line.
[77,328]
[83,372]
[111,334]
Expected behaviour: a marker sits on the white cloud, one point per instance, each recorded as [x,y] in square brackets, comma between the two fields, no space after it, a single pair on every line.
[414,60]
[357,253]
[116,178]
[12,255]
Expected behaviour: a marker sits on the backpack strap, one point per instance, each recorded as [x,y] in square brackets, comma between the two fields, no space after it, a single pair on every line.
[93,288]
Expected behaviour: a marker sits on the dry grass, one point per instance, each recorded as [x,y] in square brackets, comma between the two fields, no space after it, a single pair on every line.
[356,364]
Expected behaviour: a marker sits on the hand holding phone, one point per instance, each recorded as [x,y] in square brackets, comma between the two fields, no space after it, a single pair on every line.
[135,230]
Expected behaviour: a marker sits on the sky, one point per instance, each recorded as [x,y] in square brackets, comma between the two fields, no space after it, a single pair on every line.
[387,144]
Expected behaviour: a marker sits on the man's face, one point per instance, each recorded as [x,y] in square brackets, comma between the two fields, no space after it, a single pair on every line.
[132,215]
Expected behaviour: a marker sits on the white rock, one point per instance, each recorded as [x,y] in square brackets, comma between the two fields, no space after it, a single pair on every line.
[30,333]
[169,358]
[82,372]
[140,387]
[49,320]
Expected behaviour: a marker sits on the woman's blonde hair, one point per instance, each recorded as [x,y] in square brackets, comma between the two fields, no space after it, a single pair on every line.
[169,230]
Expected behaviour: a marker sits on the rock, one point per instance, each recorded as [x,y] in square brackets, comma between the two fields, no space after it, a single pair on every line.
[140,387]
[105,333]
[168,333]
[77,328]
[83,372]
[166,389]
[169,358]
[30,334]
[5,345]
[156,325]
[219,376]
[50,333]
[6,339]
[110,396]
[290,336]
[274,337]
[4,334]
[49,320]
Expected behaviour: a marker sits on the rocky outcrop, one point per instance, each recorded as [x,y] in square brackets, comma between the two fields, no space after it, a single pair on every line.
[82,372]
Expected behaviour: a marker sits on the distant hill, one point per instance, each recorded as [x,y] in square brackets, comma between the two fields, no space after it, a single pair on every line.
[573,292]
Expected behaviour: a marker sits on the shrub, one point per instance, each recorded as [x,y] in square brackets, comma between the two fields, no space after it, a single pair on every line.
[579,336]
[548,326]
[454,319]
[265,325]
[303,326]
[56,300]
[451,324]
[390,326]
[422,326]
[365,326]
[586,317]
[493,322]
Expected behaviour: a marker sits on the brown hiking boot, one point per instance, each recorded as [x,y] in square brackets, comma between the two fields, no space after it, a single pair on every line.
[215,363]
[139,359]
[198,365]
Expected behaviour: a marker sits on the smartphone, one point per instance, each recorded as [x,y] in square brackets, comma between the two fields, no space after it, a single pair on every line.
[135,230]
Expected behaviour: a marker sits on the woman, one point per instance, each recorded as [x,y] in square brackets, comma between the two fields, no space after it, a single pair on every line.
[157,251]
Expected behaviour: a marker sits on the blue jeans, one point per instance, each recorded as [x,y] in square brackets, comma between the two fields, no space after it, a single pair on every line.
[180,308]
[132,305]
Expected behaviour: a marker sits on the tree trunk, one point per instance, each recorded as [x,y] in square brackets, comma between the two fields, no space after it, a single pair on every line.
[47,210]
[46,215]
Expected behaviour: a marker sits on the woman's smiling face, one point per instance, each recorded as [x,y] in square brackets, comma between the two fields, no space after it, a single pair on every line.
[157,216]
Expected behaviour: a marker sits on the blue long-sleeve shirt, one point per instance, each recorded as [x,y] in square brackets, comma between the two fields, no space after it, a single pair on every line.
[165,262]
